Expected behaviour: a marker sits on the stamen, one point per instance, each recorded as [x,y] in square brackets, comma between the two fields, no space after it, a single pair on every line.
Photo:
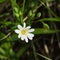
[23,31]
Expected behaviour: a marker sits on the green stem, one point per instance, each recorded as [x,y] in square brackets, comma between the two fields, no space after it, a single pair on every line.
[23,5]
[23,9]
[22,12]
[34,50]
[44,56]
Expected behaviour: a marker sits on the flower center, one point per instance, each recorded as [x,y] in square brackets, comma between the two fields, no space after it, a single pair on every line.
[23,31]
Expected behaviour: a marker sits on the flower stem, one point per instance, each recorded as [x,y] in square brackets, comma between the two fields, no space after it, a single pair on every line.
[23,11]
[23,8]
[34,50]
[44,56]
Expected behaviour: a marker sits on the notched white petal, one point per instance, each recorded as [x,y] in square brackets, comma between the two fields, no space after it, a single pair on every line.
[19,27]
[17,31]
[22,38]
[26,39]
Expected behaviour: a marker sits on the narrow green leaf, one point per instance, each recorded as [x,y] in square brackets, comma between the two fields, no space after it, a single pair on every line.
[50,19]
[44,31]
[43,56]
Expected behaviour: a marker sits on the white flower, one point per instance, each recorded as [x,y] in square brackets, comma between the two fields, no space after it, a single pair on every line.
[25,32]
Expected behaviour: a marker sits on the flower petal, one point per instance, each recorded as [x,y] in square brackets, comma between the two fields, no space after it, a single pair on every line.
[26,39]
[17,31]
[28,27]
[19,27]
[31,30]
[24,24]
[19,36]
[22,38]
[30,35]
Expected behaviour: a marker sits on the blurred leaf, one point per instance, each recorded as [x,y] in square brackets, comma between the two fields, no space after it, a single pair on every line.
[11,52]
[2,51]
[3,57]
[7,49]
[4,15]
[1,35]
[31,13]
[31,4]
[47,1]
[17,11]
[39,14]
[45,26]
[5,46]
[44,31]
[14,37]
[6,23]
[50,19]
[22,50]
[1,1]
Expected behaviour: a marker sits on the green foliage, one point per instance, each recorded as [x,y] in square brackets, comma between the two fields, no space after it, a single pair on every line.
[1,35]
[31,13]
[22,50]
[1,1]
[27,12]
[17,11]
[50,19]
[39,14]
[45,26]
[44,31]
